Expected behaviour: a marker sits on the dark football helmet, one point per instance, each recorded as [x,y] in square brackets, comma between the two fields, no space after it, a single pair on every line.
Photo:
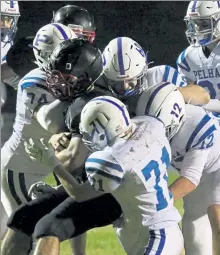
[77,18]
[74,66]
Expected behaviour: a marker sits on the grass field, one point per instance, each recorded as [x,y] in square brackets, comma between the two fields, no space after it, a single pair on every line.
[103,241]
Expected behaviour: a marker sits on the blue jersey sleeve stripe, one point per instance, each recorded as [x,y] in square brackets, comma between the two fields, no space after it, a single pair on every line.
[34,78]
[28,85]
[206,134]
[182,60]
[104,174]
[166,73]
[4,58]
[105,163]
[175,76]
[201,124]
[33,84]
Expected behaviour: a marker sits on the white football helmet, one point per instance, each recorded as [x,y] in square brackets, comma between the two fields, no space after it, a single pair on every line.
[9,19]
[203,22]
[125,67]
[102,120]
[47,39]
[165,102]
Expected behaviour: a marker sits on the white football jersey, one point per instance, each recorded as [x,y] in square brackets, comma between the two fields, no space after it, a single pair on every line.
[201,70]
[32,91]
[195,148]
[135,172]
[156,75]
[165,73]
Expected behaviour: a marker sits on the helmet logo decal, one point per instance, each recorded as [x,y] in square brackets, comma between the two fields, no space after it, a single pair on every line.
[42,38]
[140,50]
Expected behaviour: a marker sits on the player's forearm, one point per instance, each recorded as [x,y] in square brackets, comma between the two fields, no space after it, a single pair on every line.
[66,179]
[181,187]
[74,156]
[6,72]
[213,105]
[80,192]
[195,94]
[50,116]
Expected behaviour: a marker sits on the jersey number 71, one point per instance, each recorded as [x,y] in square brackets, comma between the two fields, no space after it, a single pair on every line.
[154,166]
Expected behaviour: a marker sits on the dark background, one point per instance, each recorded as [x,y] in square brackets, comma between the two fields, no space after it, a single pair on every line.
[156,26]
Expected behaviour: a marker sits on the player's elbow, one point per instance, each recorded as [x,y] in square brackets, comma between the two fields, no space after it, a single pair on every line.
[195,94]
[50,116]
[204,96]
[51,126]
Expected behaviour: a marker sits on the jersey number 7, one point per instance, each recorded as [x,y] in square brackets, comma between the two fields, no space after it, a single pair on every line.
[153,166]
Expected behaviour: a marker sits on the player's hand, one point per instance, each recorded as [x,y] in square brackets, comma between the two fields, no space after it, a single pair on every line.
[60,141]
[41,151]
[39,189]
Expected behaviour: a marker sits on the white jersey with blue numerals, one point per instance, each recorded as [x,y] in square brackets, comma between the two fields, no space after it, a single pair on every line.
[195,148]
[32,91]
[135,172]
[201,70]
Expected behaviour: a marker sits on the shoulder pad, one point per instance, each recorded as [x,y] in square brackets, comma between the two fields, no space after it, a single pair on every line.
[185,58]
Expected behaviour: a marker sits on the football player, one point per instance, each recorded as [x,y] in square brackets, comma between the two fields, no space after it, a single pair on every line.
[127,74]
[16,177]
[194,138]
[200,62]
[149,221]
[78,19]
[21,58]
[9,18]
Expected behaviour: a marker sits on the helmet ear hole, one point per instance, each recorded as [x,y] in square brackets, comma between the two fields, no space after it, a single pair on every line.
[102,137]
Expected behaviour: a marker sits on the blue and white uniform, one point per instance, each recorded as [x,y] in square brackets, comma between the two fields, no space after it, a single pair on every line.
[135,172]
[196,154]
[156,75]
[165,73]
[19,172]
[202,70]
